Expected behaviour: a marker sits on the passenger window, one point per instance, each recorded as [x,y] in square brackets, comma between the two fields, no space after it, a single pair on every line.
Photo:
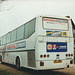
[13,35]
[8,37]
[20,33]
[4,39]
[29,28]
[0,41]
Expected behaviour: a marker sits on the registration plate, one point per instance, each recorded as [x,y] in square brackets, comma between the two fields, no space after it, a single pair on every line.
[57,61]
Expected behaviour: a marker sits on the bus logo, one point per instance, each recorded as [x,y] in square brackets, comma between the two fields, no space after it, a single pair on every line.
[49,46]
[64,33]
[54,46]
[56,33]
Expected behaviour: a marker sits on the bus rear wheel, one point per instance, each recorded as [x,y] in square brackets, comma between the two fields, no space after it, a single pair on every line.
[18,63]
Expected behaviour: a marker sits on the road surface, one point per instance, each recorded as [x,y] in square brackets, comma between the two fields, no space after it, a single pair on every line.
[11,70]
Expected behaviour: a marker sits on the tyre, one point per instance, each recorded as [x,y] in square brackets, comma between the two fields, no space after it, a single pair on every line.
[18,63]
[1,60]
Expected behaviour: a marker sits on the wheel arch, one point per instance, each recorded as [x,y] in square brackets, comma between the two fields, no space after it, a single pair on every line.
[18,57]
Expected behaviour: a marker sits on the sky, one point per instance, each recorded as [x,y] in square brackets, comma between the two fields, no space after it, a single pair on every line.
[14,13]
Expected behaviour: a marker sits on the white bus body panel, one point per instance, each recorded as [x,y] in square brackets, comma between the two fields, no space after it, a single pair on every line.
[42,39]
[10,57]
[36,45]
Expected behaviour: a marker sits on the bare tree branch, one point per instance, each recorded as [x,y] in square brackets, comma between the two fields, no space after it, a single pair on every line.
[6,5]
[1,1]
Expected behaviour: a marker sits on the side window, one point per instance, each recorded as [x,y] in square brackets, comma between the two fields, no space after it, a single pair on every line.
[0,41]
[20,33]
[8,37]
[13,35]
[4,39]
[29,28]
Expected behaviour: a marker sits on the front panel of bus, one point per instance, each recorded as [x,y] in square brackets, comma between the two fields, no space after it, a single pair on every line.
[54,43]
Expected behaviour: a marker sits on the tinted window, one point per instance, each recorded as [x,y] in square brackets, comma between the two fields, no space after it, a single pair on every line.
[29,28]
[20,33]
[0,41]
[13,36]
[4,39]
[8,37]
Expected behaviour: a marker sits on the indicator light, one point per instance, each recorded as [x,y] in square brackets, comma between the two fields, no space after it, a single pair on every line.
[66,55]
[71,54]
[48,55]
[41,56]
[44,56]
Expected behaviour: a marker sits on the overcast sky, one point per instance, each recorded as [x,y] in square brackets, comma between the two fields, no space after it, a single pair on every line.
[14,13]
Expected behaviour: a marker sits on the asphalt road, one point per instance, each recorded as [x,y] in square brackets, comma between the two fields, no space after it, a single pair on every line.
[11,70]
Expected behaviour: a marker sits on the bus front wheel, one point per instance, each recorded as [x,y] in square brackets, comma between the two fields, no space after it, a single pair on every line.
[1,60]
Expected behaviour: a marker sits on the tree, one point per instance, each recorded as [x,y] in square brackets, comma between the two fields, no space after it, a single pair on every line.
[1,1]
[6,5]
